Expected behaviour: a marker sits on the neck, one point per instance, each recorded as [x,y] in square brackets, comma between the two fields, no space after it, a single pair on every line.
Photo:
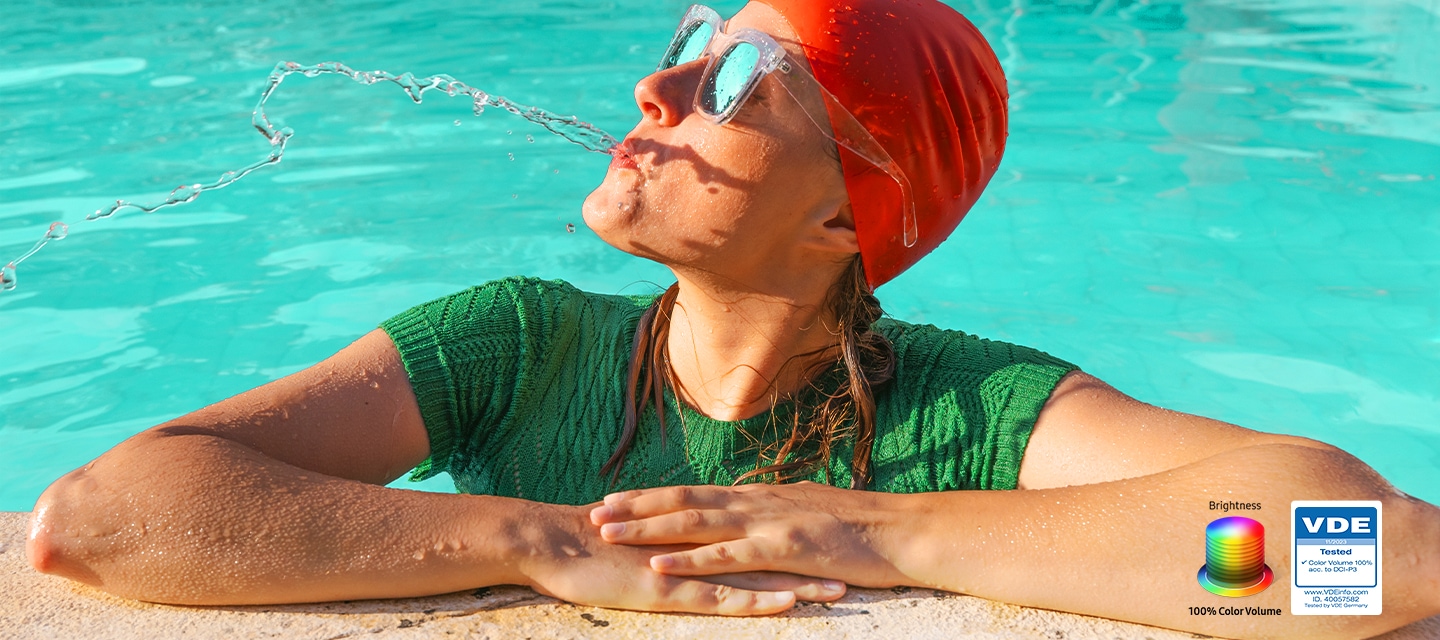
[731,350]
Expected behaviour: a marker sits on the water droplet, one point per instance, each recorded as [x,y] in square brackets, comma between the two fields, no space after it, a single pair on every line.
[457,123]
[570,227]
[57,231]
[512,156]
[514,195]
[529,138]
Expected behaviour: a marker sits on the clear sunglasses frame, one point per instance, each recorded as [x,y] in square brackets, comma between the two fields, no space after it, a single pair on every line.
[838,124]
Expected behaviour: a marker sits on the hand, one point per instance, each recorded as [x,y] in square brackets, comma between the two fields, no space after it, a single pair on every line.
[805,528]
[565,558]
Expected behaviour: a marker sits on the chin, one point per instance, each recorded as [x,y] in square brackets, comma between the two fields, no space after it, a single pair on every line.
[609,211]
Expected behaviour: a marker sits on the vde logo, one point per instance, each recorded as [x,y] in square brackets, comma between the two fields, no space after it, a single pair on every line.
[1337,555]
[1357,525]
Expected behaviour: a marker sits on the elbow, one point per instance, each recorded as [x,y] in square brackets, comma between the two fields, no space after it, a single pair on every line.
[1414,527]
[51,544]
[44,540]
[47,554]
[1411,529]
[41,547]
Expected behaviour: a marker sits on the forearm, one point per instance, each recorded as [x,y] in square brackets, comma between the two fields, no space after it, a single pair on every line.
[1130,549]
[202,520]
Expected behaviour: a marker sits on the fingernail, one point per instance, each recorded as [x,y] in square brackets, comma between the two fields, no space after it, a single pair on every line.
[612,498]
[661,562]
[601,513]
[776,599]
[832,585]
[612,529]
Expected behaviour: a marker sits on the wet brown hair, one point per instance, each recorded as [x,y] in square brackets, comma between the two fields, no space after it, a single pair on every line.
[820,419]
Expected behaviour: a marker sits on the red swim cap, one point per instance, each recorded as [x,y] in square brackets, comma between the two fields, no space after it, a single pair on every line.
[925,83]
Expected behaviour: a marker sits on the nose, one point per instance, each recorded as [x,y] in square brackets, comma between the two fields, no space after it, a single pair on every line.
[667,96]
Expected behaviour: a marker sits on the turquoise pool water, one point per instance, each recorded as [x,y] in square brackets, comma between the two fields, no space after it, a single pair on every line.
[1224,207]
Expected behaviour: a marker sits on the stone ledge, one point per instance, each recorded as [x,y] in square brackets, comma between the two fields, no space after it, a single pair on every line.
[33,605]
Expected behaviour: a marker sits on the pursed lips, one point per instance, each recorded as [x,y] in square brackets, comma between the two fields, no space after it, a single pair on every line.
[641,154]
[625,155]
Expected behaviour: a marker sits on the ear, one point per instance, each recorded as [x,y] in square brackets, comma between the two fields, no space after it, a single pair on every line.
[837,230]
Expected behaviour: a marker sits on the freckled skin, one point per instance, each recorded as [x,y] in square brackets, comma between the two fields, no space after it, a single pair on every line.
[700,189]
[753,219]
[1126,548]
[276,495]
[234,504]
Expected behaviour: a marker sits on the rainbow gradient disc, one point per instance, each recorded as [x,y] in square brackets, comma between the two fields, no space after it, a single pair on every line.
[1235,558]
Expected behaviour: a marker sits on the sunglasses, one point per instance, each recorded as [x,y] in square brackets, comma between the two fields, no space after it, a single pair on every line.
[738,61]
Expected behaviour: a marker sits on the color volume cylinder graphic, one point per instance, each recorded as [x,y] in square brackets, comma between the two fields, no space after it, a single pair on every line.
[1235,558]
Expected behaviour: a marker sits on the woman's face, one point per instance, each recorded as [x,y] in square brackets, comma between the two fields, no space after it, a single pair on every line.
[737,200]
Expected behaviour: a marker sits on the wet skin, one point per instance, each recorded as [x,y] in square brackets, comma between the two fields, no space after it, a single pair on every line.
[276,495]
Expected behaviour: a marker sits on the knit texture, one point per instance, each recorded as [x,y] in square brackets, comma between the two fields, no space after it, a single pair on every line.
[520,382]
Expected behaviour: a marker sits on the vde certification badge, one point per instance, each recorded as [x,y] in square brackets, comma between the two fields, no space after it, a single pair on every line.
[1336,557]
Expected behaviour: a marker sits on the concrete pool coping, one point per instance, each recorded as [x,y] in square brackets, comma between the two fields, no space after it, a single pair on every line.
[33,605]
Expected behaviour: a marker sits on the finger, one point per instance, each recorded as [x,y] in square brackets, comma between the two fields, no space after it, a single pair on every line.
[731,556]
[644,503]
[699,596]
[744,488]
[804,587]
[695,526]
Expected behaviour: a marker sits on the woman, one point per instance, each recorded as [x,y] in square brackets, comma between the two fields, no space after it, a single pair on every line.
[781,183]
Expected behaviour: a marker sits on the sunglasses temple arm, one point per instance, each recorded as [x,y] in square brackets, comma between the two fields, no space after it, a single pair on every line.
[877,157]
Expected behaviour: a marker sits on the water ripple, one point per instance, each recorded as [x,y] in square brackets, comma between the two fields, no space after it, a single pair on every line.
[106,67]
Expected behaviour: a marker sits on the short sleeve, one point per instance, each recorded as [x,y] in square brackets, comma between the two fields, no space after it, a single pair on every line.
[959,412]
[465,355]
[1018,392]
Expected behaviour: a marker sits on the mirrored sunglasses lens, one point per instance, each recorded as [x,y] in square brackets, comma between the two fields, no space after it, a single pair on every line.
[727,83]
[688,44]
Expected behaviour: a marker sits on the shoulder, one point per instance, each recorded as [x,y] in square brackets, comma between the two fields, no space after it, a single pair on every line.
[515,297]
[524,315]
[960,404]
[1091,432]
[524,292]
[991,386]
[930,346]
[537,292]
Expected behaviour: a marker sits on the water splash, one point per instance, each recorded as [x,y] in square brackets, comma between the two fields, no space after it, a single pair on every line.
[57,231]
[571,128]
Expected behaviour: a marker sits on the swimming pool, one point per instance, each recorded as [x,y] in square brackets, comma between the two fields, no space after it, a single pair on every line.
[1223,207]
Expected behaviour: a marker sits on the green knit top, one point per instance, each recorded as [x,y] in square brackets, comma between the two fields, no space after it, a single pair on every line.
[520,382]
